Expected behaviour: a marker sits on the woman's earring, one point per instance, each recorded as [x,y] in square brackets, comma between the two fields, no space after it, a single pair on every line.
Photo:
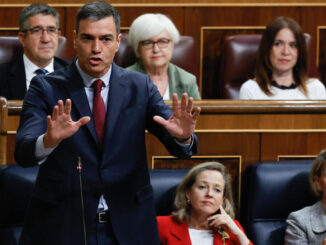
[188,201]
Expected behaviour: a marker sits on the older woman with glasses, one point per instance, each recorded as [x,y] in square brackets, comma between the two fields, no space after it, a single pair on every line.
[153,37]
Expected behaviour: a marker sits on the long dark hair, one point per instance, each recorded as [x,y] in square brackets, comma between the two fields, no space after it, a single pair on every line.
[264,69]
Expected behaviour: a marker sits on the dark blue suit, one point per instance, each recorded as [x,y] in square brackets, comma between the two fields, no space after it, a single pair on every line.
[120,171]
[13,77]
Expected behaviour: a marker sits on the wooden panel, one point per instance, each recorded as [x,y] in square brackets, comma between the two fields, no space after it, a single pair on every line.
[276,146]
[214,2]
[245,145]
[11,142]
[3,130]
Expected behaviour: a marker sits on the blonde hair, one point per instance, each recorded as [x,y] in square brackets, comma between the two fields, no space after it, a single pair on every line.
[316,171]
[182,208]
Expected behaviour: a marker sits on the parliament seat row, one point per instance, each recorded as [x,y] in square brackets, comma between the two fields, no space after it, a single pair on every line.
[184,55]
[238,56]
[271,190]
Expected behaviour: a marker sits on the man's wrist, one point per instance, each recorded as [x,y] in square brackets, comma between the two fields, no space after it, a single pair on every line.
[183,140]
[49,143]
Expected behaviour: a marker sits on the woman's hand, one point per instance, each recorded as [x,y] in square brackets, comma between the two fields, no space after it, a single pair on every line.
[324,241]
[224,221]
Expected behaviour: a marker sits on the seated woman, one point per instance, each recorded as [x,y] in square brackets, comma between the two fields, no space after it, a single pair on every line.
[152,37]
[308,225]
[281,70]
[203,210]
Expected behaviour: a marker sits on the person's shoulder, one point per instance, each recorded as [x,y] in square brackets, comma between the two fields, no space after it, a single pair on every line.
[61,62]
[165,220]
[133,67]
[187,76]
[302,213]
[127,72]
[249,90]
[316,89]
[5,67]
[315,82]
[251,83]
[126,76]
[138,67]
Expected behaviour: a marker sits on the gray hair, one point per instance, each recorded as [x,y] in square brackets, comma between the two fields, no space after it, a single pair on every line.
[35,9]
[181,207]
[316,171]
[98,10]
[148,25]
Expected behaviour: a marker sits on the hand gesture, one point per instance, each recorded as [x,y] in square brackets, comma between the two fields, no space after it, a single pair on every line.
[324,241]
[60,126]
[224,221]
[183,120]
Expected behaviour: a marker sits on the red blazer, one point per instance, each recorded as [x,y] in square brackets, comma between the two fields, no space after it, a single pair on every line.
[174,233]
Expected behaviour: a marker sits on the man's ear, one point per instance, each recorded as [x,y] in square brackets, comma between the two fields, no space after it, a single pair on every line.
[74,37]
[118,42]
[21,37]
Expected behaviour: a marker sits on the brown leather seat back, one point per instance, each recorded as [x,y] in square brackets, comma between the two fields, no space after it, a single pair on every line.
[238,59]
[11,47]
[184,54]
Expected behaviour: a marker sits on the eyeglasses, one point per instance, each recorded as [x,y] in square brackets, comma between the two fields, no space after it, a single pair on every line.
[161,43]
[38,31]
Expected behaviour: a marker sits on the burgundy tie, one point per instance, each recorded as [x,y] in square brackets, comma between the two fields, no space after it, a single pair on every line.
[98,109]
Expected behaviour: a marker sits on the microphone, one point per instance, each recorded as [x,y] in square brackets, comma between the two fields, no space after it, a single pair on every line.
[79,169]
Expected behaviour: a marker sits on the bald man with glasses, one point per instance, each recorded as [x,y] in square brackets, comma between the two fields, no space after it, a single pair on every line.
[39,34]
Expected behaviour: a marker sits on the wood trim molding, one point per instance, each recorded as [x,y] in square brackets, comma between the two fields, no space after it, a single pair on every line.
[294,157]
[189,4]
[319,28]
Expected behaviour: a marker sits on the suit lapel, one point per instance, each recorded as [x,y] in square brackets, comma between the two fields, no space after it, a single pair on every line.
[17,79]
[181,233]
[56,64]
[115,100]
[318,218]
[173,81]
[75,88]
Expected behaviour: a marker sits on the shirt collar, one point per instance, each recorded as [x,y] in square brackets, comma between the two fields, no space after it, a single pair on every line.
[30,67]
[88,80]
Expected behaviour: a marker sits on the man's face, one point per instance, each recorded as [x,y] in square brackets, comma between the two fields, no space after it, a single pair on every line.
[40,47]
[96,44]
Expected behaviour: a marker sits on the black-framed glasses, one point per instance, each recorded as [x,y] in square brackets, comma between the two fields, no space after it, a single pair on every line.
[38,31]
[161,43]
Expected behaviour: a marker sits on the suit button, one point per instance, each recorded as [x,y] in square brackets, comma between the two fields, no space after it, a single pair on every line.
[102,168]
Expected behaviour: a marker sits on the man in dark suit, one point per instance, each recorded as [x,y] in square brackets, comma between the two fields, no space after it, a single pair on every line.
[39,35]
[109,201]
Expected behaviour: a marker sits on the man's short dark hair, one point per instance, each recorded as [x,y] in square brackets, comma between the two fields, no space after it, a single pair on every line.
[35,9]
[96,11]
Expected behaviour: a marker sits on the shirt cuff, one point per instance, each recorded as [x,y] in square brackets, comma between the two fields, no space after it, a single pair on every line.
[41,152]
[186,146]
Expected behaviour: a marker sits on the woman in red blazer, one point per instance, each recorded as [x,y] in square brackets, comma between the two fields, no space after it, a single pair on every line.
[203,210]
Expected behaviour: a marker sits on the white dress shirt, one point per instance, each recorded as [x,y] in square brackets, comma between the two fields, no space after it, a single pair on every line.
[30,69]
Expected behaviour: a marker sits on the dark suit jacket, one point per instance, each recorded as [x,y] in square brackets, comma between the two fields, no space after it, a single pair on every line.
[173,233]
[120,171]
[13,77]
